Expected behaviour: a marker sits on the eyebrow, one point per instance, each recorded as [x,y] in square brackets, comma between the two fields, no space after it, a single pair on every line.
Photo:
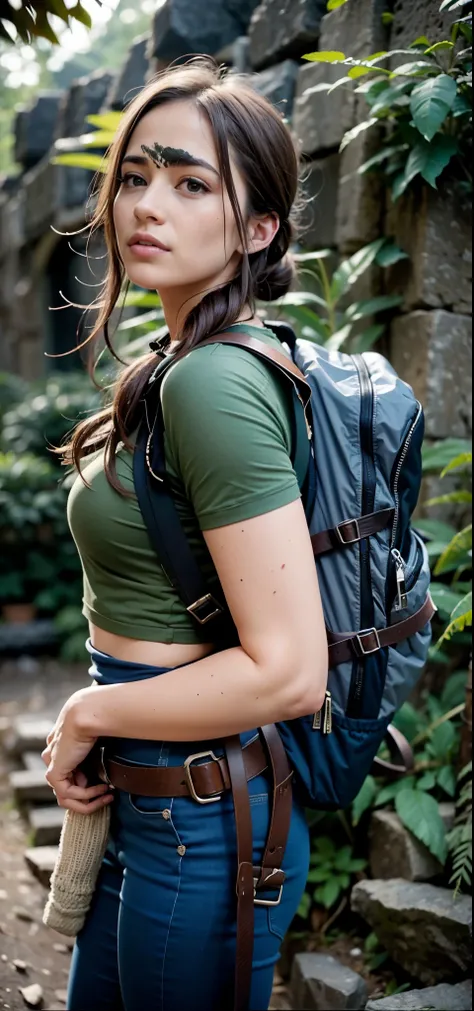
[185,159]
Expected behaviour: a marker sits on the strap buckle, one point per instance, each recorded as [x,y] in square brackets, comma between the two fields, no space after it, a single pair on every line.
[204,609]
[266,902]
[351,526]
[364,634]
[103,770]
[189,778]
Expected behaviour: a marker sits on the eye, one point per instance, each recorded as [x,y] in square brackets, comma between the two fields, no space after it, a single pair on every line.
[194,186]
[127,179]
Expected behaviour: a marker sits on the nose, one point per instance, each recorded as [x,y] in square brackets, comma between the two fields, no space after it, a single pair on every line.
[150,205]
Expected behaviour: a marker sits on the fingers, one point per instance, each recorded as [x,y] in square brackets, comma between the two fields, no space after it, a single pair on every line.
[93,805]
[66,791]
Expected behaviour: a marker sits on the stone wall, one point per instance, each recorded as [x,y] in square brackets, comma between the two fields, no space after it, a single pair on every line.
[430,339]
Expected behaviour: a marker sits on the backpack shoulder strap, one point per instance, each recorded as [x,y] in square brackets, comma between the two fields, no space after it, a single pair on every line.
[276,358]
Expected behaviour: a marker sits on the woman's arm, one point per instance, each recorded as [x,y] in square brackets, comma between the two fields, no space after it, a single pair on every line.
[267,571]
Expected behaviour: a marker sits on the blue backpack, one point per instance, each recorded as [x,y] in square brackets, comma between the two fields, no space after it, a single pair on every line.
[359,473]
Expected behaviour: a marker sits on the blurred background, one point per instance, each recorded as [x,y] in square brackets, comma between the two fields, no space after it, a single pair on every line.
[378,94]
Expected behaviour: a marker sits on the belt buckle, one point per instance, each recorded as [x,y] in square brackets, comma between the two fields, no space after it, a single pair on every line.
[344,526]
[189,778]
[362,635]
[205,609]
[266,902]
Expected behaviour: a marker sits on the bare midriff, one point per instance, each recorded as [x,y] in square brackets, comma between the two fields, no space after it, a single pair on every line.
[157,654]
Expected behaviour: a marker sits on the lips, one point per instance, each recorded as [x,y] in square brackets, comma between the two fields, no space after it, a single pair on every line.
[144,240]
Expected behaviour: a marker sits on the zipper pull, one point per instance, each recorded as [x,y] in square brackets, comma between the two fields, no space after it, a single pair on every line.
[323,718]
[402,599]
[327,728]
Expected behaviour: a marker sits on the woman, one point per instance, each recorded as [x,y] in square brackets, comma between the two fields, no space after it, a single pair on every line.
[196,204]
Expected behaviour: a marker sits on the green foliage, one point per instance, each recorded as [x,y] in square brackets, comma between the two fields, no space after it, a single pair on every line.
[332,870]
[320,316]
[30,18]
[433,730]
[459,839]
[424,106]
[47,411]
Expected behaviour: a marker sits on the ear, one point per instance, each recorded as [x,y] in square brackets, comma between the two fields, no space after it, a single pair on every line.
[261,230]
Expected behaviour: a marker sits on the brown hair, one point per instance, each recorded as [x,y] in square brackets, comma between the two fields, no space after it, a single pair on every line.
[266,156]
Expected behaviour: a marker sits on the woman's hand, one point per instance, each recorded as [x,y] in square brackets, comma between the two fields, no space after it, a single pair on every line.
[67,745]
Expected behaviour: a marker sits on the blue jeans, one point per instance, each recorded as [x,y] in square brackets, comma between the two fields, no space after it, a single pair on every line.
[161,931]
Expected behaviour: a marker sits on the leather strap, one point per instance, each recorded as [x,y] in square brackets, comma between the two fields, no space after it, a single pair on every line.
[209,779]
[402,753]
[351,531]
[244,884]
[345,646]
[282,361]
[271,875]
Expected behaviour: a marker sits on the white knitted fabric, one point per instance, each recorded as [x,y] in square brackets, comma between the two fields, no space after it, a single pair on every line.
[81,850]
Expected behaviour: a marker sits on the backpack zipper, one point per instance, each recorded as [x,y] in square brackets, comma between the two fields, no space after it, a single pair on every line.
[400,569]
[403,456]
[323,718]
[367,407]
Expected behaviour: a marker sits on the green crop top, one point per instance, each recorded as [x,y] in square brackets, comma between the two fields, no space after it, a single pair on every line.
[227,444]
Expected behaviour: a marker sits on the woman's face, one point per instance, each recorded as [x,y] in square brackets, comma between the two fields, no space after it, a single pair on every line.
[171,193]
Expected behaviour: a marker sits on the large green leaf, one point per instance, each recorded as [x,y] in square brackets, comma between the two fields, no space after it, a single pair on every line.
[364,799]
[365,341]
[350,270]
[380,157]
[92,162]
[339,338]
[420,814]
[328,893]
[455,551]
[325,56]
[105,120]
[389,254]
[428,160]
[440,455]
[416,68]
[445,599]
[431,102]
[369,306]
[461,618]
[462,460]
[451,497]
[356,131]
[334,4]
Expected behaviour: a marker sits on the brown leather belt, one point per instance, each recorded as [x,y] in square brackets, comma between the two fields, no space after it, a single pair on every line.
[206,781]
[205,784]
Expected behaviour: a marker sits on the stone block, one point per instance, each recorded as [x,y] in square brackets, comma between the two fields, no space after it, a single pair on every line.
[320,189]
[284,28]
[48,189]
[359,206]
[320,981]
[278,84]
[436,232]
[432,352]
[420,926]
[444,997]
[394,851]
[355,29]
[85,97]
[414,19]
[41,861]
[29,734]
[33,762]
[131,78]
[35,127]
[321,120]
[46,824]
[30,785]
[205,26]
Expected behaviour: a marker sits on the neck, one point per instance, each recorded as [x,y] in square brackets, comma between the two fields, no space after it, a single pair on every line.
[176,307]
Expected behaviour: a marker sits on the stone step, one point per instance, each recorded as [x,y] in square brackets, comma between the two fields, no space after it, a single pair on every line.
[41,861]
[420,926]
[29,734]
[32,760]
[319,982]
[444,997]
[46,824]
[30,785]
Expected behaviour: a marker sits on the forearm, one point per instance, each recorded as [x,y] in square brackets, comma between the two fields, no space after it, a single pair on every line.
[225,693]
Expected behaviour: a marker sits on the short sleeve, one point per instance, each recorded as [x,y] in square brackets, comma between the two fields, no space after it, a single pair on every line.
[227,420]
